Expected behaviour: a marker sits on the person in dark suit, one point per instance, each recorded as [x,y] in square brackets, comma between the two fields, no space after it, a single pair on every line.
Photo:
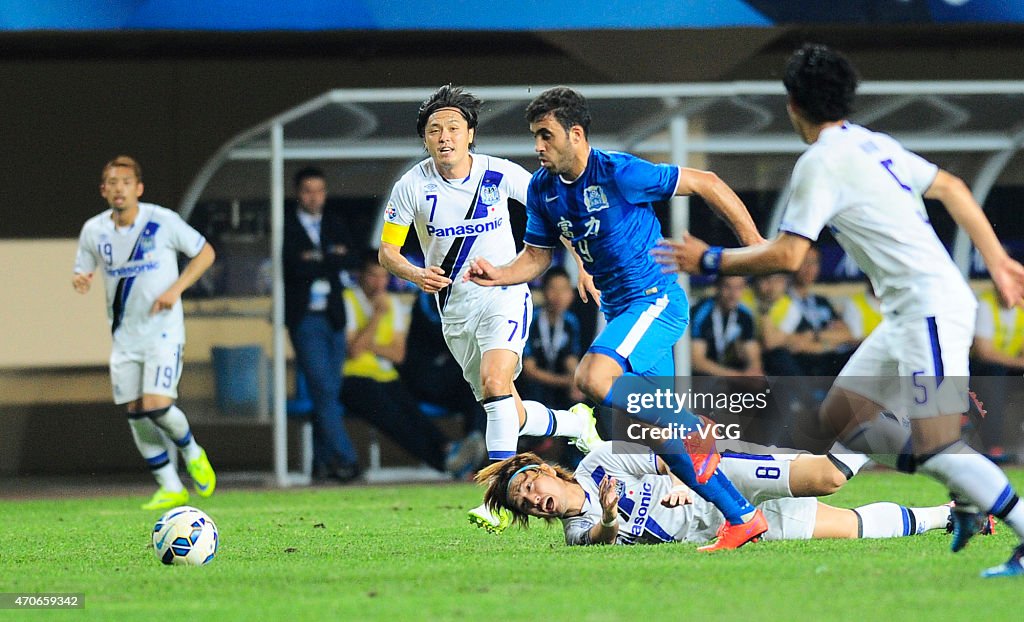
[317,246]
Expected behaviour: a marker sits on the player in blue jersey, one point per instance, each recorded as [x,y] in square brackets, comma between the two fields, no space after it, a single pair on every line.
[602,202]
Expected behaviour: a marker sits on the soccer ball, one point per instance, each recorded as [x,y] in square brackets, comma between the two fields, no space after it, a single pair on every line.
[185,536]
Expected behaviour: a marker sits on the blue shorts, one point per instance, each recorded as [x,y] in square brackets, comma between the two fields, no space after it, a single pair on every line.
[641,337]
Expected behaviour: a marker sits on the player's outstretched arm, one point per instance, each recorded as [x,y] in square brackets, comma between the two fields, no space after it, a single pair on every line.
[430,279]
[784,253]
[193,270]
[530,263]
[725,203]
[1007,274]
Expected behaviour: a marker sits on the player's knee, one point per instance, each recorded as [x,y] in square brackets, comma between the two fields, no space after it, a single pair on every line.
[831,481]
[588,383]
[496,384]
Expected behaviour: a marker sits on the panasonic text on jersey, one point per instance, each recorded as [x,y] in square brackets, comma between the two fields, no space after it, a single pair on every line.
[469,228]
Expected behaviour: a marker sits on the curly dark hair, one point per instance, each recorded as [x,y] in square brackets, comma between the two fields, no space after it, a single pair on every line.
[496,477]
[449,96]
[569,107]
[821,82]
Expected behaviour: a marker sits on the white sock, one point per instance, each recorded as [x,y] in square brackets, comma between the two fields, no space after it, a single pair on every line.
[852,460]
[883,440]
[150,444]
[544,421]
[935,517]
[175,424]
[887,520]
[502,436]
[976,479]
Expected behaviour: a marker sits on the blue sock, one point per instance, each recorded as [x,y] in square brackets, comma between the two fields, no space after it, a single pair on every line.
[719,491]
[740,509]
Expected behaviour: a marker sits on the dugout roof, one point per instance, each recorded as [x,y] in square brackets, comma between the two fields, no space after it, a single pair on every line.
[366,137]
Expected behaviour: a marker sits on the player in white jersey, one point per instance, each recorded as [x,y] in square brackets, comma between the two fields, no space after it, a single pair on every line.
[457,200]
[868,190]
[622,493]
[135,245]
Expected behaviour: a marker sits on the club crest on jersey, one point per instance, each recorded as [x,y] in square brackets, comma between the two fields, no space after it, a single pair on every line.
[147,245]
[595,199]
[390,212]
[620,488]
[489,194]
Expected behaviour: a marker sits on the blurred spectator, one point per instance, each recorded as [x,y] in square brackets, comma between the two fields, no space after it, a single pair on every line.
[553,350]
[376,333]
[723,335]
[777,319]
[432,375]
[821,341]
[862,313]
[998,353]
[317,246]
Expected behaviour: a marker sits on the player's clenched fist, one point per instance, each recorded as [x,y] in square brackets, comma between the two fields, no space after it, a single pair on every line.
[432,279]
[82,282]
[481,272]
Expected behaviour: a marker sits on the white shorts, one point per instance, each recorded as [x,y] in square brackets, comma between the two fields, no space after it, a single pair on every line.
[154,371]
[759,477]
[502,322]
[790,518]
[914,365]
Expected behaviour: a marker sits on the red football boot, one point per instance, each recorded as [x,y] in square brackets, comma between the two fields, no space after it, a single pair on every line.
[735,536]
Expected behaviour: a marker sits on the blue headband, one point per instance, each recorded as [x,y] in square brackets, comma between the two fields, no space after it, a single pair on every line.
[529,467]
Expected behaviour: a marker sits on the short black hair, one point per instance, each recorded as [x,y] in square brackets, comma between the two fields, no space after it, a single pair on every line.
[370,257]
[568,105]
[307,172]
[821,82]
[449,96]
[552,273]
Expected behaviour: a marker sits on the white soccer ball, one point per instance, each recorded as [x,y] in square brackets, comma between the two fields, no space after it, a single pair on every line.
[185,536]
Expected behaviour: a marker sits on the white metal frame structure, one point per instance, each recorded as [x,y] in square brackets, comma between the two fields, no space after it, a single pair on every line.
[972,127]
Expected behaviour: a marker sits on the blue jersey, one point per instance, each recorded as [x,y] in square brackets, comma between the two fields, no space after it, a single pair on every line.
[608,216]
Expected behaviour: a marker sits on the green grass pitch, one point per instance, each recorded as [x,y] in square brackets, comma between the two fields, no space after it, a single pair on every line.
[407,553]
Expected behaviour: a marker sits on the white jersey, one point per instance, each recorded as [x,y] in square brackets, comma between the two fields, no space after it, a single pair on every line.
[868,190]
[139,264]
[459,220]
[642,518]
